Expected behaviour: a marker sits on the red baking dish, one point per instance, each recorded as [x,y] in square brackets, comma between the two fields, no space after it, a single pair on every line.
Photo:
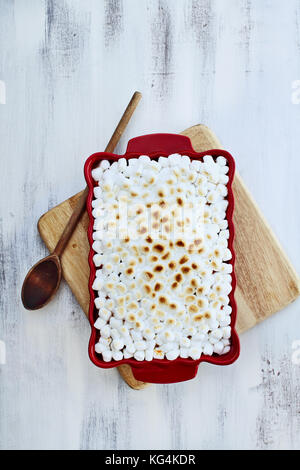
[160,370]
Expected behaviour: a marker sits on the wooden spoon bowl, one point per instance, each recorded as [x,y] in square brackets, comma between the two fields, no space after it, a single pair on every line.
[41,282]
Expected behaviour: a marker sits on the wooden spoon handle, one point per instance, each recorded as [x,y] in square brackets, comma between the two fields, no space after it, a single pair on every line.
[79,209]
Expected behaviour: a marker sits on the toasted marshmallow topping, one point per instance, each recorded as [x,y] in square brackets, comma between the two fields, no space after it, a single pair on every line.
[163,274]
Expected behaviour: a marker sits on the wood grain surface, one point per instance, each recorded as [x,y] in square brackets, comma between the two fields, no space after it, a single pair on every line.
[266,281]
[69,68]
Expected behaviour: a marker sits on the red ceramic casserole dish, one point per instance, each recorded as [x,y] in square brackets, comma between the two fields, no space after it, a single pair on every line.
[160,370]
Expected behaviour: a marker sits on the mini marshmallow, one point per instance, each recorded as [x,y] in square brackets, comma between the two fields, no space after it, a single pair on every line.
[218,347]
[126,354]
[97,173]
[99,323]
[185,342]
[139,355]
[149,354]
[226,331]
[184,353]
[208,349]
[97,192]
[97,284]
[99,302]
[104,164]
[172,355]
[117,343]
[117,355]
[195,353]
[105,331]
[115,334]
[104,313]
[107,355]
[100,348]
[144,159]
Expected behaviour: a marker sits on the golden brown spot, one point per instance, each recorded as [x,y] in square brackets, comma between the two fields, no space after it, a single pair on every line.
[158,268]
[140,259]
[166,256]
[148,205]
[198,241]
[184,259]
[162,300]
[214,264]
[194,283]
[179,201]
[157,287]
[147,288]
[126,239]
[172,265]
[185,269]
[153,259]
[218,289]
[201,250]
[198,318]
[178,277]
[133,194]
[207,315]
[174,285]
[170,321]
[131,317]
[149,274]
[189,290]
[149,239]
[200,290]
[132,306]
[152,180]
[117,216]
[146,249]
[162,204]
[129,271]
[173,306]
[170,181]
[160,193]
[201,303]
[159,248]
[194,266]
[171,244]
[180,243]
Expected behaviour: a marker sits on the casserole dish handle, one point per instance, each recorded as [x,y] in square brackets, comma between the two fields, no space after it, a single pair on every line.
[162,374]
[165,143]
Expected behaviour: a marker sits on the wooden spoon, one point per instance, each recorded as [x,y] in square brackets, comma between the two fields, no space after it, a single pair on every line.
[43,279]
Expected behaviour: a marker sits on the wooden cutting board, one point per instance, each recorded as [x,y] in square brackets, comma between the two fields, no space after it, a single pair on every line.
[266,280]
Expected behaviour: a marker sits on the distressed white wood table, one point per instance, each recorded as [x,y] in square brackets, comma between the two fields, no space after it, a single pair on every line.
[67,70]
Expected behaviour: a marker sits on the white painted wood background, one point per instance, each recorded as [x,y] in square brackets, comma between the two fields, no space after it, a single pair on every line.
[70,67]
